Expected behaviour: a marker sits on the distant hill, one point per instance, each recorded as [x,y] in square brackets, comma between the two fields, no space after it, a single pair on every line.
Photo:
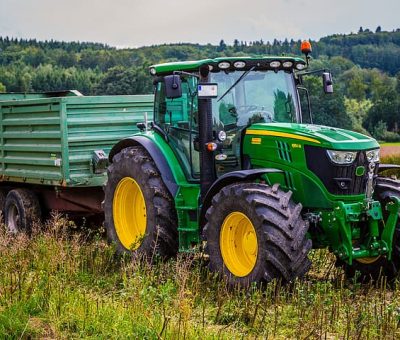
[365,67]
[367,49]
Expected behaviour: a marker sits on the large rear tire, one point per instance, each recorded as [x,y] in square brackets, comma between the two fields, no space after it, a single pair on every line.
[140,215]
[255,233]
[373,269]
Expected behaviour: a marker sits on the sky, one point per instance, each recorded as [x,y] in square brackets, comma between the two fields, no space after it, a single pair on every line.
[135,23]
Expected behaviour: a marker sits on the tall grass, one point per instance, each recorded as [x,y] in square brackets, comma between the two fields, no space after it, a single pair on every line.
[63,284]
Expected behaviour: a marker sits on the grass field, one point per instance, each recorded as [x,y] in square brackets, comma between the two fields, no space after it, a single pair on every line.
[66,284]
[390,149]
[63,283]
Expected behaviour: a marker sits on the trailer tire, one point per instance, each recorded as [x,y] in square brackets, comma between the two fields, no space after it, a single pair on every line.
[140,215]
[255,233]
[3,195]
[366,271]
[21,211]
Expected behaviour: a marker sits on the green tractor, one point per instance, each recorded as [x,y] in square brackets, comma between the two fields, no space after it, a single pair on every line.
[229,163]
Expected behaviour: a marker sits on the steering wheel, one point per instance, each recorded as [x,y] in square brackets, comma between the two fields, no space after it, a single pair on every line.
[242,109]
[251,114]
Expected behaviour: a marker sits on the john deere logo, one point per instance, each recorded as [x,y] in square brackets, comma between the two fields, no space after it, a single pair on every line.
[360,171]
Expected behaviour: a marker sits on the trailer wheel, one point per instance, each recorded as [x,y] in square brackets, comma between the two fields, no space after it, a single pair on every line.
[3,195]
[140,215]
[21,210]
[255,233]
[368,269]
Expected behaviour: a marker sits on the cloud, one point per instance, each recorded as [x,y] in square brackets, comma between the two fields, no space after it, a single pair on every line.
[148,22]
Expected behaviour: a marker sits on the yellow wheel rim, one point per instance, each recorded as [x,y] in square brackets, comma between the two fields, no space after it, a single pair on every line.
[368,260]
[238,244]
[129,213]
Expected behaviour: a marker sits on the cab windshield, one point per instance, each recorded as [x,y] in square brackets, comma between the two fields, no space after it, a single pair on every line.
[247,97]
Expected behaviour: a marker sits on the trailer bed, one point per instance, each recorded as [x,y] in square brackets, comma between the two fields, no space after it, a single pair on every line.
[52,140]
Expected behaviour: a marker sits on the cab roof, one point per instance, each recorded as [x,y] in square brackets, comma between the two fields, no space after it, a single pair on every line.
[260,63]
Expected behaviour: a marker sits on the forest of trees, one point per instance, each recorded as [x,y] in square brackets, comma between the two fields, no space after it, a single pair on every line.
[365,67]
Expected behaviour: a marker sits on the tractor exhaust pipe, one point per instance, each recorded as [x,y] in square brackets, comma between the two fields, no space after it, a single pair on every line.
[207,165]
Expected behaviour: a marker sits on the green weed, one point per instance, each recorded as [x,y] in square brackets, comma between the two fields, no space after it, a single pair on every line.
[63,284]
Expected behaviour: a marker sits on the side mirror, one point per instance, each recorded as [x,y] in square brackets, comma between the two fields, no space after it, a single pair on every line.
[327,82]
[173,88]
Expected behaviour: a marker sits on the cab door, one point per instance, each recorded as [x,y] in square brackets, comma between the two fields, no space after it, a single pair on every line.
[178,119]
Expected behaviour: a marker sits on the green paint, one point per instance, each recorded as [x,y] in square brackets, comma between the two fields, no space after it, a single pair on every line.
[360,171]
[348,224]
[50,140]
[387,235]
[186,199]
[341,230]
[195,65]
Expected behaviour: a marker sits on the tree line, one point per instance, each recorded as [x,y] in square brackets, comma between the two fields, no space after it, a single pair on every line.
[365,66]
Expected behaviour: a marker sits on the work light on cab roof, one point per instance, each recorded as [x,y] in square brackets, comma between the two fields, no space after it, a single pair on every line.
[230,64]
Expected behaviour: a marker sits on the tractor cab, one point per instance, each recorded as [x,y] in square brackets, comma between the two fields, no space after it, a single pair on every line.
[244,91]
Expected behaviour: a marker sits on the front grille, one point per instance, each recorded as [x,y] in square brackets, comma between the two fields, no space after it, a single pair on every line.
[334,176]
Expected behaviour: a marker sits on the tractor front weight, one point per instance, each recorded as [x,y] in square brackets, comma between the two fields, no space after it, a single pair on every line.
[353,229]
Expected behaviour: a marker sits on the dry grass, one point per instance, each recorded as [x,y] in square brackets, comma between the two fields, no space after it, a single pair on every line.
[390,150]
[64,284]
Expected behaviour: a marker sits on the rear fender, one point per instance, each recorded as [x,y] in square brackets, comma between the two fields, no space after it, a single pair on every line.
[156,154]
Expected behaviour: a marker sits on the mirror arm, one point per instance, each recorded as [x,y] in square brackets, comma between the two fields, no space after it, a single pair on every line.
[186,74]
[322,70]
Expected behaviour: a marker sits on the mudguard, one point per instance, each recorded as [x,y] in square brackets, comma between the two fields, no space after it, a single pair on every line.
[155,153]
[229,178]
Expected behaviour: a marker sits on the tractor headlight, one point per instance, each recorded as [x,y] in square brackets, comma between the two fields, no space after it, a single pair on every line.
[373,155]
[342,157]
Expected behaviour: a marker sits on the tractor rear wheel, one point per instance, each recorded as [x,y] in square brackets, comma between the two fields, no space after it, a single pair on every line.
[373,268]
[255,233]
[140,215]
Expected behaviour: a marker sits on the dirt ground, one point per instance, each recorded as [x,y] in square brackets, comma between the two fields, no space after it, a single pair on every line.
[387,150]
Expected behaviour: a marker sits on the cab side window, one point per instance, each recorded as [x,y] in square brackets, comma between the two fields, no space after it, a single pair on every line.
[178,118]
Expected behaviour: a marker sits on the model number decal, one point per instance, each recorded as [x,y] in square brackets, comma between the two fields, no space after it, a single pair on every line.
[296,146]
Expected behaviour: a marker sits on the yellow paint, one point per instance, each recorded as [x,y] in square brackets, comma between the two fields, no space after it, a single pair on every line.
[296,146]
[368,260]
[256,140]
[129,213]
[281,134]
[238,244]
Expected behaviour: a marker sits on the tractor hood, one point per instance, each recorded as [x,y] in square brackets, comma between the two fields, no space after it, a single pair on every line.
[317,135]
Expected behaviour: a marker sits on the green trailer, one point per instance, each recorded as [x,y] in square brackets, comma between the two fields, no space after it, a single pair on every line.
[54,150]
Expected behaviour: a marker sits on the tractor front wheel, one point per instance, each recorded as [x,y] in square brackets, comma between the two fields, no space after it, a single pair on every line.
[255,233]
